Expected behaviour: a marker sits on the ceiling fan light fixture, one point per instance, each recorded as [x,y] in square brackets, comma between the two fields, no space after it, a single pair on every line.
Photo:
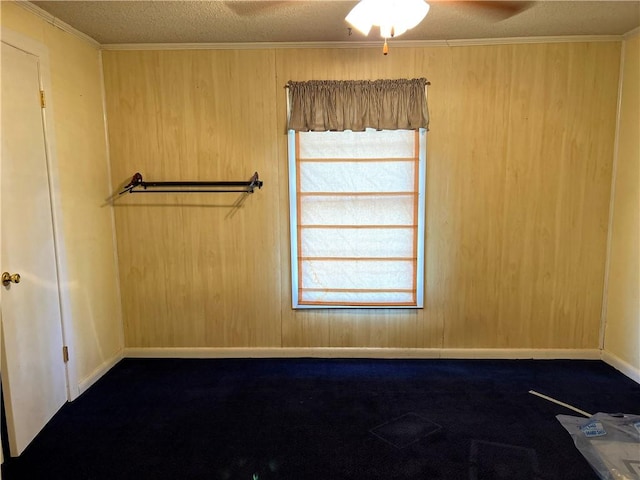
[361,17]
[394,17]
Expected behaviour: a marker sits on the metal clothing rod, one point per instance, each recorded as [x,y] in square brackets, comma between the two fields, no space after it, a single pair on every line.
[138,185]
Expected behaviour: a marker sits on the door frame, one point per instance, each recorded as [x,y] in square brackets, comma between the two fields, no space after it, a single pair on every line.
[33,47]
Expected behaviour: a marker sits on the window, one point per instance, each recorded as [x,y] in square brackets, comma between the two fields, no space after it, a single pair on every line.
[357,218]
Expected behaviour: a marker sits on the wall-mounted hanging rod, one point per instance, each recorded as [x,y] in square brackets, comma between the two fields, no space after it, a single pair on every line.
[137,185]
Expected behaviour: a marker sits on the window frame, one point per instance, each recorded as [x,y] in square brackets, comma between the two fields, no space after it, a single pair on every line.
[420,230]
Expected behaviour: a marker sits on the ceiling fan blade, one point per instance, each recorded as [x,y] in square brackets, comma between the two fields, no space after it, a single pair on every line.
[247,8]
[500,9]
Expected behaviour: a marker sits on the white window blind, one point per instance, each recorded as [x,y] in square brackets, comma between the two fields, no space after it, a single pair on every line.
[357,218]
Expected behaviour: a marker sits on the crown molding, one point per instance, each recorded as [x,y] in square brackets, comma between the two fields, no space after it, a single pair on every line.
[519,40]
[56,22]
[631,33]
[253,45]
[376,44]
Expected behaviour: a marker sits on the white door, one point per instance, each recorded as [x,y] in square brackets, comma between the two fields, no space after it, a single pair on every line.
[33,370]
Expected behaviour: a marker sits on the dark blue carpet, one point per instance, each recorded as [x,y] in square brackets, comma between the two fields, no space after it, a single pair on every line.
[304,419]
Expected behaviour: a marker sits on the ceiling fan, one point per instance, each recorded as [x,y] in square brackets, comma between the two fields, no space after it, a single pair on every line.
[503,9]
[386,14]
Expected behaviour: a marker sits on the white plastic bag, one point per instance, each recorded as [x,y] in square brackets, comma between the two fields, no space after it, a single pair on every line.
[609,442]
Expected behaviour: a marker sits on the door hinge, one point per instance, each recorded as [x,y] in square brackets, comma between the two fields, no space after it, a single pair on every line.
[65,354]
[42,102]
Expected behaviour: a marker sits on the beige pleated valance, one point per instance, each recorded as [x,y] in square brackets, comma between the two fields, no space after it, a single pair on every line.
[321,105]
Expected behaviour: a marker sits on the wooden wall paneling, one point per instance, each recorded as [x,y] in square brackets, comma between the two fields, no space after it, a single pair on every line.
[556,208]
[499,262]
[373,328]
[525,228]
[438,67]
[518,174]
[598,116]
[196,269]
[469,183]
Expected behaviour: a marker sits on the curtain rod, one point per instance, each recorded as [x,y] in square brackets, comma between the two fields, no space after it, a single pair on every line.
[426,83]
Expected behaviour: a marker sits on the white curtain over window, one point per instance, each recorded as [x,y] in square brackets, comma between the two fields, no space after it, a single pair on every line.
[357,217]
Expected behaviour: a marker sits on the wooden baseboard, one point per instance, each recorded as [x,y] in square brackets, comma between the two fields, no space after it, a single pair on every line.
[624,367]
[99,372]
[324,352]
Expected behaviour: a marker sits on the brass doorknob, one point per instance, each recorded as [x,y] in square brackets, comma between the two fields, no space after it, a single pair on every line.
[8,278]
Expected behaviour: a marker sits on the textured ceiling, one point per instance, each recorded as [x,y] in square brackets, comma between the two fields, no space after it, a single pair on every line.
[125,22]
